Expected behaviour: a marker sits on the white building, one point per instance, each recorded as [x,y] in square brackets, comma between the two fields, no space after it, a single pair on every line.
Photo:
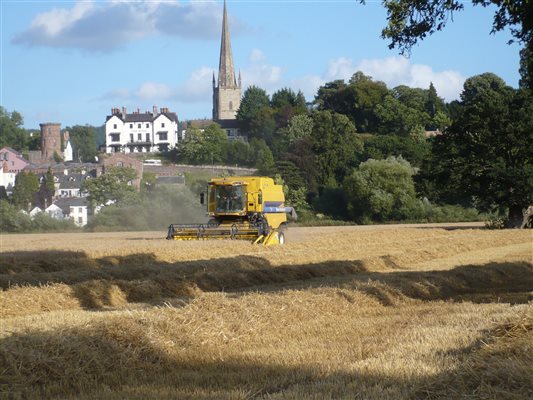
[77,209]
[141,132]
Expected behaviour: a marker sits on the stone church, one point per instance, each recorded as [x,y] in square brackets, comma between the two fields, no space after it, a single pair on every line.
[227,94]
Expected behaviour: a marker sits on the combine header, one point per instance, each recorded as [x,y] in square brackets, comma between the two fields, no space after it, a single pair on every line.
[246,208]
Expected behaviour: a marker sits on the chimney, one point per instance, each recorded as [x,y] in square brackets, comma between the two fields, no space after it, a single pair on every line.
[154,110]
[124,112]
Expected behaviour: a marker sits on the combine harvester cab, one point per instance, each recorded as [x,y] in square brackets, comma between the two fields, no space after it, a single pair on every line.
[240,208]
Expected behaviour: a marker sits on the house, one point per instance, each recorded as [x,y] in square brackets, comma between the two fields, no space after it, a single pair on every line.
[137,132]
[7,178]
[12,161]
[69,182]
[75,208]
[35,211]
[67,151]
[54,211]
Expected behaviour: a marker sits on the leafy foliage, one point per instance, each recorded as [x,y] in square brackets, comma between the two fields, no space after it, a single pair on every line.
[486,154]
[14,220]
[203,147]
[114,186]
[26,186]
[357,99]
[381,190]
[12,133]
[256,115]
[336,145]
[83,139]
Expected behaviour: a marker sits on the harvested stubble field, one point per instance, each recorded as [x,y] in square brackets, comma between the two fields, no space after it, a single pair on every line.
[340,312]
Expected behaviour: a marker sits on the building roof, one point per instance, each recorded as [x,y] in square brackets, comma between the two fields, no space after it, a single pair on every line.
[68,202]
[229,123]
[143,117]
[7,148]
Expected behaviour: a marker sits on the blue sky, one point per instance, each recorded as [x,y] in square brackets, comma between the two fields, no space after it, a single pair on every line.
[72,61]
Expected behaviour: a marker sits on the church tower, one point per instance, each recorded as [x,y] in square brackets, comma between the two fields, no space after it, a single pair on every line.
[227,95]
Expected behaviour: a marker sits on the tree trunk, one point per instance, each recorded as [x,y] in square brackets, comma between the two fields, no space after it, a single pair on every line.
[515,217]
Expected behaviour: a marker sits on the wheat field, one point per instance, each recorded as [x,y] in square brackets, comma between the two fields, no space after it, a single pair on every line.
[381,312]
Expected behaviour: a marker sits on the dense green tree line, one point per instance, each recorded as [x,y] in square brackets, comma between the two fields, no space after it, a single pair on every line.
[331,150]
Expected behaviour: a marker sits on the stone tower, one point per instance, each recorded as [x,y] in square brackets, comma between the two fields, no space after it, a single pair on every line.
[227,95]
[50,140]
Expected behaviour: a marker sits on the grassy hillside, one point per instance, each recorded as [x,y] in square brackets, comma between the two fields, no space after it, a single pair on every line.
[339,312]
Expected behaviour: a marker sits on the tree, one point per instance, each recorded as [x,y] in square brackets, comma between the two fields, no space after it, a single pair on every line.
[290,174]
[299,127]
[410,21]
[113,186]
[203,147]
[301,153]
[26,186]
[357,99]
[287,104]
[46,190]
[261,153]
[12,220]
[413,149]
[336,145]
[486,154]
[396,118]
[237,152]
[83,139]
[256,115]
[12,133]
[215,140]
[381,190]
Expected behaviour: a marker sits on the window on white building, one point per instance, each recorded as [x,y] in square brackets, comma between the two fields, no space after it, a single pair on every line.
[115,137]
[162,124]
[148,125]
[131,126]
[114,126]
[131,138]
[139,126]
[139,137]
[162,135]
[147,137]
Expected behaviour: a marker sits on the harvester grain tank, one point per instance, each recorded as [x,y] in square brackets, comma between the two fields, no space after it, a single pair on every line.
[241,208]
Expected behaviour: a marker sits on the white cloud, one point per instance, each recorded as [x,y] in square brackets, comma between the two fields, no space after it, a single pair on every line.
[199,86]
[154,91]
[256,56]
[108,26]
[260,73]
[57,20]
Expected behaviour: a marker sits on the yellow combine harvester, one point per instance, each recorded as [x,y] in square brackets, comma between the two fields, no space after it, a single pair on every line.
[245,207]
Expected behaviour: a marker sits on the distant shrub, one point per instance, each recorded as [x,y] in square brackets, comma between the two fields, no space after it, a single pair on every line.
[13,220]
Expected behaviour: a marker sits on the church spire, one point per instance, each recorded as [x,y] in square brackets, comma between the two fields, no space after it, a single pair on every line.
[226,70]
